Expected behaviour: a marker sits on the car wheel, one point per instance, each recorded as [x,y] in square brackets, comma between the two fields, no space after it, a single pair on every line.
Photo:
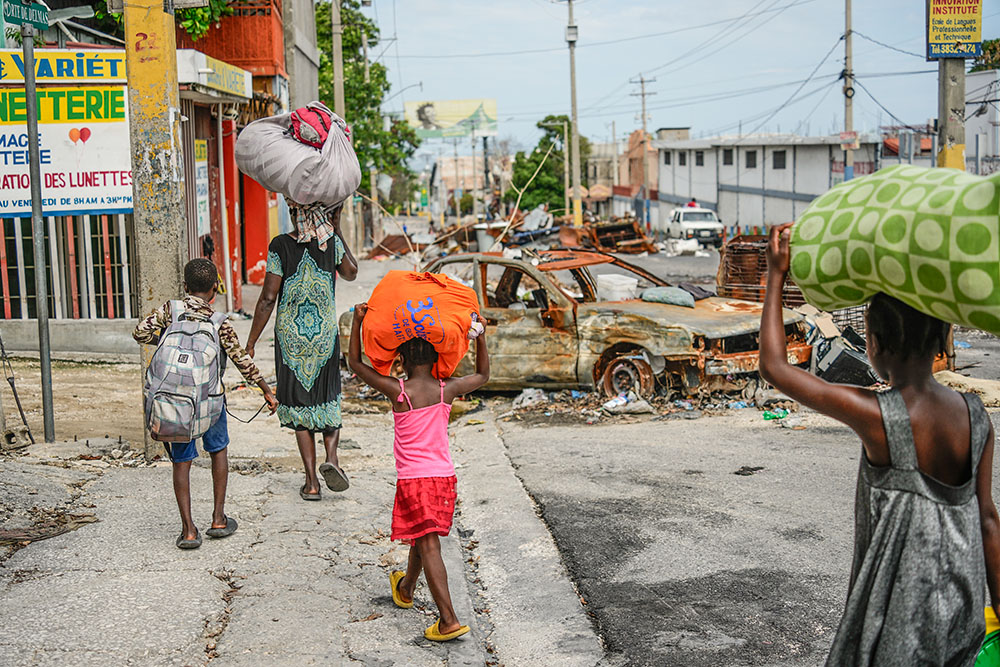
[627,373]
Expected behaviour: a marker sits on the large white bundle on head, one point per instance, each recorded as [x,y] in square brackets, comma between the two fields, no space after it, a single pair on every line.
[267,153]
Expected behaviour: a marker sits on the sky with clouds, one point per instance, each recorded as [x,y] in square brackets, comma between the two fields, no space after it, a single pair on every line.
[716,63]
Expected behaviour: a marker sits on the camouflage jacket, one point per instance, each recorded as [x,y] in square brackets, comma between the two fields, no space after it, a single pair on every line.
[149,329]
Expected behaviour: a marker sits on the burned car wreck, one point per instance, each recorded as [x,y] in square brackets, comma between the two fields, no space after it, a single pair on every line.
[548,326]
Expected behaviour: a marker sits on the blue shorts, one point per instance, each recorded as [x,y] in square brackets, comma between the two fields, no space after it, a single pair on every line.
[216,439]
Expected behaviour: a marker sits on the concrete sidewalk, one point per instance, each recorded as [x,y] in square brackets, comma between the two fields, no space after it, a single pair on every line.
[298,584]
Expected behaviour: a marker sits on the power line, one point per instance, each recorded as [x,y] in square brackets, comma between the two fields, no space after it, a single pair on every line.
[733,24]
[887,46]
[797,90]
[891,114]
[493,54]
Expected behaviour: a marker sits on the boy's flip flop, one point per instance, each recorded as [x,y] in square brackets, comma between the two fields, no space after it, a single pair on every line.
[435,635]
[225,531]
[334,477]
[309,496]
[188,544]
[394,578]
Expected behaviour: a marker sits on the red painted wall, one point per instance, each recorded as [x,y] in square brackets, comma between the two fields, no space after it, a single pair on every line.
[256,232]
[231,175]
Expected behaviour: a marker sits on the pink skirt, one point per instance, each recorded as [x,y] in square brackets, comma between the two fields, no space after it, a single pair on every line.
[423,505]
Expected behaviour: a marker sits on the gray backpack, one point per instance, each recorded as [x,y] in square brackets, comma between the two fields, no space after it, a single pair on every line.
[183,390]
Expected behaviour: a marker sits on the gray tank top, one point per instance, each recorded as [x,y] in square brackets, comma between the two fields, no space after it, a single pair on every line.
[918,582]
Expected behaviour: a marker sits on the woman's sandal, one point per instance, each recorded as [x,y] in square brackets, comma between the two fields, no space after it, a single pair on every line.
[394,578]
[189,544]
[435,635]
[225,531]
[334,477]
[310,496]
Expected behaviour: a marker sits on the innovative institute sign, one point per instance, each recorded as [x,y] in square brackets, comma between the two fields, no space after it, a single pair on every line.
[954,28]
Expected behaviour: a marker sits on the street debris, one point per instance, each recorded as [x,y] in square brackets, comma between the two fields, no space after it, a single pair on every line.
[529,398]
[628,404]
[987,390]
[746,471]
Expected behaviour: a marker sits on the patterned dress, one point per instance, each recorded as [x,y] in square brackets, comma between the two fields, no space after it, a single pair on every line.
[306,345]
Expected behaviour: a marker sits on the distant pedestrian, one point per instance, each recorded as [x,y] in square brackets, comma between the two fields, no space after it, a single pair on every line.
[425,476]
[693,203]
[302,270]
[201,282]
[927,534]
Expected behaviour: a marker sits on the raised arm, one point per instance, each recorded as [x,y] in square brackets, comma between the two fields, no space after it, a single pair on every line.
[383,383]
[989,521]
[854,406]
[469,383]
[262,312]
[348,267]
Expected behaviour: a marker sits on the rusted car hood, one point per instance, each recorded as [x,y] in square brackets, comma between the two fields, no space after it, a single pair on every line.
[714,317]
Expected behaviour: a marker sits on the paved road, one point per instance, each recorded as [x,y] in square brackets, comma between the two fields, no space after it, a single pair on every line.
[683,562]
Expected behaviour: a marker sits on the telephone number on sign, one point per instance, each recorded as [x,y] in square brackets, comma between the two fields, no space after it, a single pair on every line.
[971,49]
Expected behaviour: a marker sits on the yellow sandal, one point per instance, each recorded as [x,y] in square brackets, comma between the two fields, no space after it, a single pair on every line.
[394,578]
[434,634]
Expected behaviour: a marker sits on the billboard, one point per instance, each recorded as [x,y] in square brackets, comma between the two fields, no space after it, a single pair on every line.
[453,118]
[954,28]
[83,133]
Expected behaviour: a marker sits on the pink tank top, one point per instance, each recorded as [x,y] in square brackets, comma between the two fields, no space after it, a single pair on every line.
[421,442]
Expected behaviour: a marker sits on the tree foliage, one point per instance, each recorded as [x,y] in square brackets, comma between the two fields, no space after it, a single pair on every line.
[387,145]
[990,58]
[547,187]
[196,22]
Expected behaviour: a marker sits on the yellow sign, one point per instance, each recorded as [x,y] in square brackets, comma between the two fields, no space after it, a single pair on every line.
[227,78]
[453,118]
[94,104]
[64,66]
[954,28]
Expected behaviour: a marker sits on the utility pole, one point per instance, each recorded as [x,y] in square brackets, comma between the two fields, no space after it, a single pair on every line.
[848,91]
[571,36]
[354,231]
[157,158]
[614,143]
[951,113]
[475,202]
[645,145]
[565,149]
[38,230]
[455,197]
[486,170]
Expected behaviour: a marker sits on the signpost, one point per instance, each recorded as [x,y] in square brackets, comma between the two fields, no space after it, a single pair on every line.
[954,33]
[30,16]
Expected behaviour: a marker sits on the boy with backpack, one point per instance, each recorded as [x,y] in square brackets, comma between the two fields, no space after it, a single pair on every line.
[184,398]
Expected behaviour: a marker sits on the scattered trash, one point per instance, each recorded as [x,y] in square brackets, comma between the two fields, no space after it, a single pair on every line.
[962,345]
[792,422]
[779,413]
[746,471]
[738,405]
[529,398]
[628,404]
[686,405]
[475,422]
[577,394]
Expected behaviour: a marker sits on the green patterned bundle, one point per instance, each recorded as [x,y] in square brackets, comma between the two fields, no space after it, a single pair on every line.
[929,237]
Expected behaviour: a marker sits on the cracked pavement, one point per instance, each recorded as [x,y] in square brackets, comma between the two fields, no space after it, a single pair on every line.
[299,583]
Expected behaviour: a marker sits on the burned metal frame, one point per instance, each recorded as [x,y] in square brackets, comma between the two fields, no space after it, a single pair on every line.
[624,340]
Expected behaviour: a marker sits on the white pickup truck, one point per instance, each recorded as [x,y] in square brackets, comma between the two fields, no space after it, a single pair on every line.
[695,223]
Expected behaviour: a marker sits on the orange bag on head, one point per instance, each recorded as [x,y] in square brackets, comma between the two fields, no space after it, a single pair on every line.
[432,306]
